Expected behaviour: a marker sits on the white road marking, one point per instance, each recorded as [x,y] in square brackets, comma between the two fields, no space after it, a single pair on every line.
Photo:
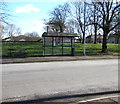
[89,100]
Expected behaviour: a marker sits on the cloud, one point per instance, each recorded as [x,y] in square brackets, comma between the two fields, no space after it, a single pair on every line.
[32,26]
[37,26]
[27,9]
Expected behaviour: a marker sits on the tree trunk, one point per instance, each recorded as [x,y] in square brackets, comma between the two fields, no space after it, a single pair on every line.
[83,38]
[118,39]
[95,38]
[104,44]
[95,26]
[61,29]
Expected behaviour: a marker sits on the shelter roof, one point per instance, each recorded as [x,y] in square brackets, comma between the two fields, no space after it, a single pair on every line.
[45,34]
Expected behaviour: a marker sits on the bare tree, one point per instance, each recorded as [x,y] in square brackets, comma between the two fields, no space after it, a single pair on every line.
[4,16]
[58,18]
[95,25]
[117,19]
[26,34]
[79,13]
[11,30]
[71,26]
[107,11]
[93,16]
[18,31]
[1,31]
[3,13]
[33,34]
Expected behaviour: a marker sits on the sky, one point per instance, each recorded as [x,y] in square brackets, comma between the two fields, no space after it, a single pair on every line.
[29,16]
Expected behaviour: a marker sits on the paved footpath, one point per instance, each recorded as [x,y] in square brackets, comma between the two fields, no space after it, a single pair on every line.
[97,99]
[55,58]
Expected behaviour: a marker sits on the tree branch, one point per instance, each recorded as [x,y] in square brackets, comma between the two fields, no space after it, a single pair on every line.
[114,26]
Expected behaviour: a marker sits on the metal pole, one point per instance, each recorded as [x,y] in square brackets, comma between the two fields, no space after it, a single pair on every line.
[52,45]
[71,47]
[84,48]
[62,46]
[44,47]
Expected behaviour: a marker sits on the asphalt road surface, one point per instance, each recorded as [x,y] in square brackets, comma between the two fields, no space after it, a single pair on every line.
[37,80]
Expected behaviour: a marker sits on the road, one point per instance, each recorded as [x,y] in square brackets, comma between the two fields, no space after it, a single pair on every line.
[36,80]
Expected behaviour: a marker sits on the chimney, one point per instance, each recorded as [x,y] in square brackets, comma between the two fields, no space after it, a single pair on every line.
[47,28]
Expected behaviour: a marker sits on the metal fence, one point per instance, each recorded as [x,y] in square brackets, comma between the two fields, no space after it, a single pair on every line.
[22,49]
[37,49]
[34,49]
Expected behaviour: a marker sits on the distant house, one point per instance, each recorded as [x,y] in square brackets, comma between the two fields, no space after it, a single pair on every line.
[90,38]
[78,40]
[115,39]
[22,38]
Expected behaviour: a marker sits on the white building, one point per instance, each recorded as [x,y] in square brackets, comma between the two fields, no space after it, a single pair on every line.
[115,39]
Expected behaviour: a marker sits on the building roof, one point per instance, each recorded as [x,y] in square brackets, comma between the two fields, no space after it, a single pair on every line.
[22,38]
[92,36]
[45,34]
[114,35]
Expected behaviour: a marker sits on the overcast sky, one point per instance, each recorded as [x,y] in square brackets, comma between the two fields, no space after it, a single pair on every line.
[29,16]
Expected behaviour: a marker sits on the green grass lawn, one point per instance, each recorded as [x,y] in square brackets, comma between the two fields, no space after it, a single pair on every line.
[13,49]
[95,49]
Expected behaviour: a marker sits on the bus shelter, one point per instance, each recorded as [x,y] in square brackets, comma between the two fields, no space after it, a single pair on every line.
[58,44]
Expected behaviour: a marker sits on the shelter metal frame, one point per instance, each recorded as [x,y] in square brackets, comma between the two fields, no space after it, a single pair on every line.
[61,37]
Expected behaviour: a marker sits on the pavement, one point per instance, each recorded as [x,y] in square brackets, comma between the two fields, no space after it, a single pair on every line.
[55,58]
[97,99]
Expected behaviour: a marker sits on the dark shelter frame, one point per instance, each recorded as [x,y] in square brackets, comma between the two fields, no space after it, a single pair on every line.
[61,37]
